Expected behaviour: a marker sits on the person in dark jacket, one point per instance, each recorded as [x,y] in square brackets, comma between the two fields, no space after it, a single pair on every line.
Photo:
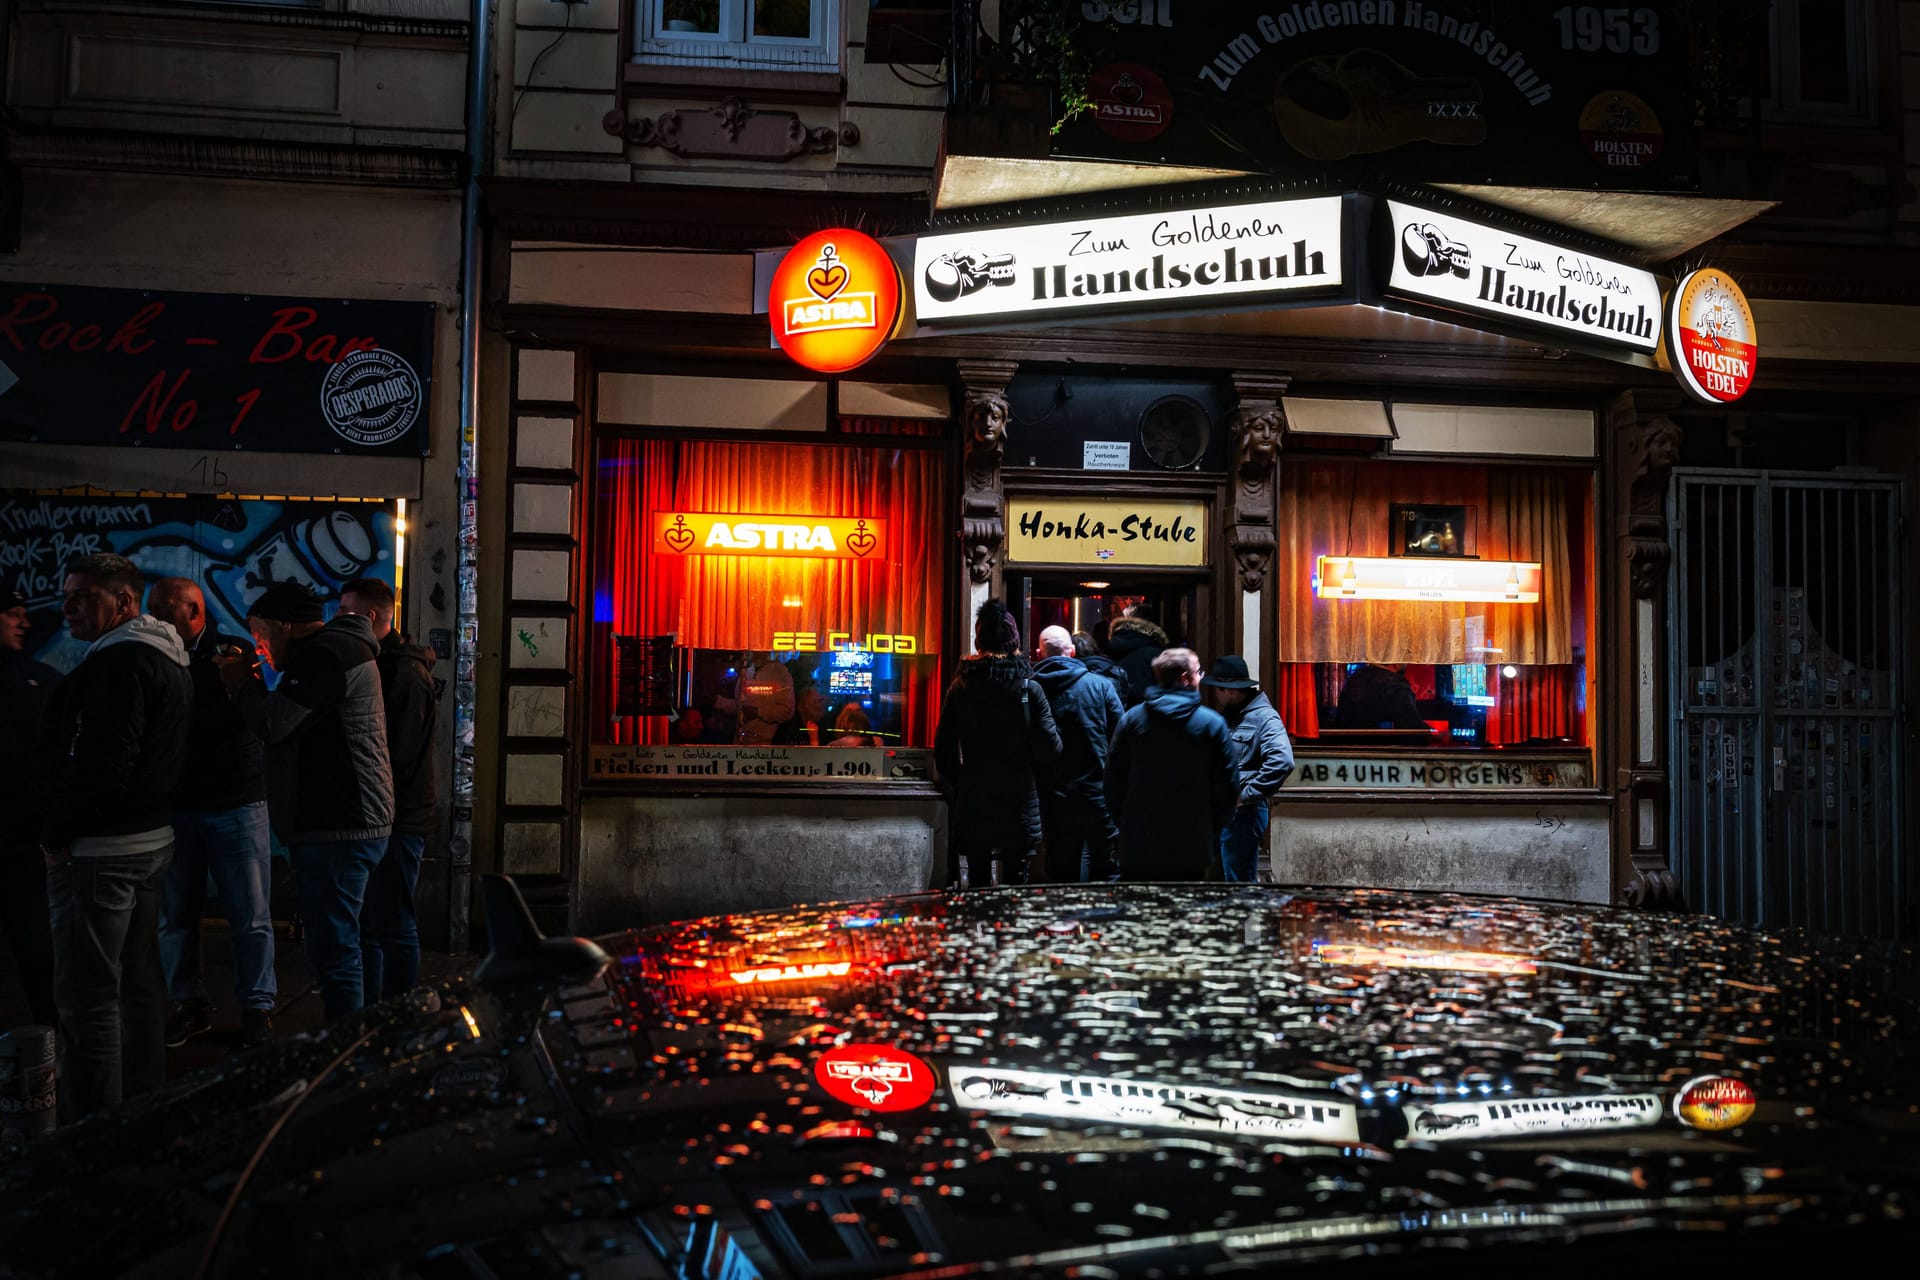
[1261,753]
[1073,799]
[995,730]
[1134,642]
[219,827]
[1087,649]
[25,686]
[115,742]
[1171,784]
[389,927]
[1379,696]
[329,782]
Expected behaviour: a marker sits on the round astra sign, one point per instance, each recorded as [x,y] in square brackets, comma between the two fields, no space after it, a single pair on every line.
[1711,339]
[875,1076]
[1714,1103]
[835,300]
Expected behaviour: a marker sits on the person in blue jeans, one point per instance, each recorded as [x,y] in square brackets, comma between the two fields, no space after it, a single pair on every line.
[329,782]
[219,827]
[1263,754]
[389,930]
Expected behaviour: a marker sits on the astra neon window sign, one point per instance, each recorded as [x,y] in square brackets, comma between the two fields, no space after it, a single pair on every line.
[1383,578]
[686,533]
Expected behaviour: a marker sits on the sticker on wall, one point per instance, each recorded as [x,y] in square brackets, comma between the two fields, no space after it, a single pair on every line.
[835,300]
[1713,347]
[875,1076]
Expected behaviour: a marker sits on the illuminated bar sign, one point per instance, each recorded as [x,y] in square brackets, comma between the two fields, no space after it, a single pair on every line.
[835,300]
[1106,532]
[1710,332]
[1362,955]
[1427,578]
[684,533]
[1169,260]
[1469,266]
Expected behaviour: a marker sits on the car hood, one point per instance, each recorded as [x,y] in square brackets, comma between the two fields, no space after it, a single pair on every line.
[1071,1079]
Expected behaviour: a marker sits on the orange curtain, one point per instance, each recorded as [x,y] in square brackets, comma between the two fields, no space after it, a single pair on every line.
[1344,508]
[740,602]
[1298,700]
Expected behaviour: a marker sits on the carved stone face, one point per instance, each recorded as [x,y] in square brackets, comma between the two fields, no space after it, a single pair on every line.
[1663,445]
[987,421]
[1259,440]
[979,562]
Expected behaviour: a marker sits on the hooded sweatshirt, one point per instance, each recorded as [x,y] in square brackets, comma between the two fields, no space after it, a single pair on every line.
[406,682]
[328,775]
[1134,643]
[115,739]
[1171,786]
[995,730]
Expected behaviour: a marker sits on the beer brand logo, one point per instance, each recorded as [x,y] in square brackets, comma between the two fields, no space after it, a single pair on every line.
[876,1076]
[1715,349]
[835,300]
[685,533]
[1714,1103]
[1621,131]
[791,972]
[371,398]
[1130,102]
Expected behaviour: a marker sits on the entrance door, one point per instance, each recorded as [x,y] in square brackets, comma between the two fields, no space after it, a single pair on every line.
[1089,604]
[1787,753]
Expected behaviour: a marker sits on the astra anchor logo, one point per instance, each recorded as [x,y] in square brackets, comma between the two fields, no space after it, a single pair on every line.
[1427,253]
[955,275]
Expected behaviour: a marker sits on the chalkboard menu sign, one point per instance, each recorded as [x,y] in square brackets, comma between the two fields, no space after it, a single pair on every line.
[643,675]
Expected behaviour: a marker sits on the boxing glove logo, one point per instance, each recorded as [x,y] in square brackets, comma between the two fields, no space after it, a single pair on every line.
[955,275]
[1428,253]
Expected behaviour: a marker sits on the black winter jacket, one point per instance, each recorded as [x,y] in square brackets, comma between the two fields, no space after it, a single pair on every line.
[1086,709]
[1171,786]
[406,680]
[25,687]
[995,730]
[115,738]
[1134,644]
[1101,665]
[227,763]
[328,777]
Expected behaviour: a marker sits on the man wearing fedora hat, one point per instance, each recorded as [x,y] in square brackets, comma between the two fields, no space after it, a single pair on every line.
[1263,754]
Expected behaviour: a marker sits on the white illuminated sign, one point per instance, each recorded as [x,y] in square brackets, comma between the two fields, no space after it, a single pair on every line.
[1427,578]
[1478,1120]
[1470,266]
[1104,1100]
[1140,262]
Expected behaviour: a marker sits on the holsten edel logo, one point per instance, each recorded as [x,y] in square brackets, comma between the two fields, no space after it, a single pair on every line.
[371,398]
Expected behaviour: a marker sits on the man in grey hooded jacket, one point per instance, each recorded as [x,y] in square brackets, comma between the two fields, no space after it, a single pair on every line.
[329,780]
[1261,752]
[115,737]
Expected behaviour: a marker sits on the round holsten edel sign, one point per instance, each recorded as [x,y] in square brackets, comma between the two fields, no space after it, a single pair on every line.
[835,300]
[878,1077]
[1712,341]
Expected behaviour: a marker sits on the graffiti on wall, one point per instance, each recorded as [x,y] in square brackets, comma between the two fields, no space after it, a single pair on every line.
[232,547]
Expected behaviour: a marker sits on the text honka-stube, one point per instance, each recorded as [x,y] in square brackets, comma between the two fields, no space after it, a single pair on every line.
[1133,528]
[1230,268]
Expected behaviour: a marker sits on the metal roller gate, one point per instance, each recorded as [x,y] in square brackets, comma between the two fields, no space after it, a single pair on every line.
[1788,776]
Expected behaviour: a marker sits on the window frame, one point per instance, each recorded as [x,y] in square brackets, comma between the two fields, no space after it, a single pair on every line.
[734,42]
[1782,104]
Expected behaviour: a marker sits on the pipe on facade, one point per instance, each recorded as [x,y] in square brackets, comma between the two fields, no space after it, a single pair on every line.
[467,630]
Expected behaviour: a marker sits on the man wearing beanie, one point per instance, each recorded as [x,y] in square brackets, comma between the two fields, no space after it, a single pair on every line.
[995,729]
[329,782]
[115,749]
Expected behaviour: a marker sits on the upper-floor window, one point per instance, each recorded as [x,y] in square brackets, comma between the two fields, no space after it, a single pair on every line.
[1822,63]
[767,35]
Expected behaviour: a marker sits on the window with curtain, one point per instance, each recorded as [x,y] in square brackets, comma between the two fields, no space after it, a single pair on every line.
[1425,673]
[796,589]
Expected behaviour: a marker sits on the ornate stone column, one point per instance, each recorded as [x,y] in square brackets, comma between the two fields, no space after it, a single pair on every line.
[1256,425]
[1645,445]
[983,500]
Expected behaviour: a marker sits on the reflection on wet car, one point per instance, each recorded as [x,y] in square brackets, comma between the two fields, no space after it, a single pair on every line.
[1072,1080]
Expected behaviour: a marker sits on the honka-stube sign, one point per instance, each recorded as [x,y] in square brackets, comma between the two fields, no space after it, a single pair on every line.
[1227,255]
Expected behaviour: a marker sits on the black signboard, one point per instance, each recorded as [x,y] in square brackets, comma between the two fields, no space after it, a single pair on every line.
[1509,92]
[214,371]
[643,676]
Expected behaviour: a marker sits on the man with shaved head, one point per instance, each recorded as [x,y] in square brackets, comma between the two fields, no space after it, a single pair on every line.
[1076,826]
[220,828]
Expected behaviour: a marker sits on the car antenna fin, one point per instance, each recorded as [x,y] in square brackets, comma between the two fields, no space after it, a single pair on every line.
[516,949]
